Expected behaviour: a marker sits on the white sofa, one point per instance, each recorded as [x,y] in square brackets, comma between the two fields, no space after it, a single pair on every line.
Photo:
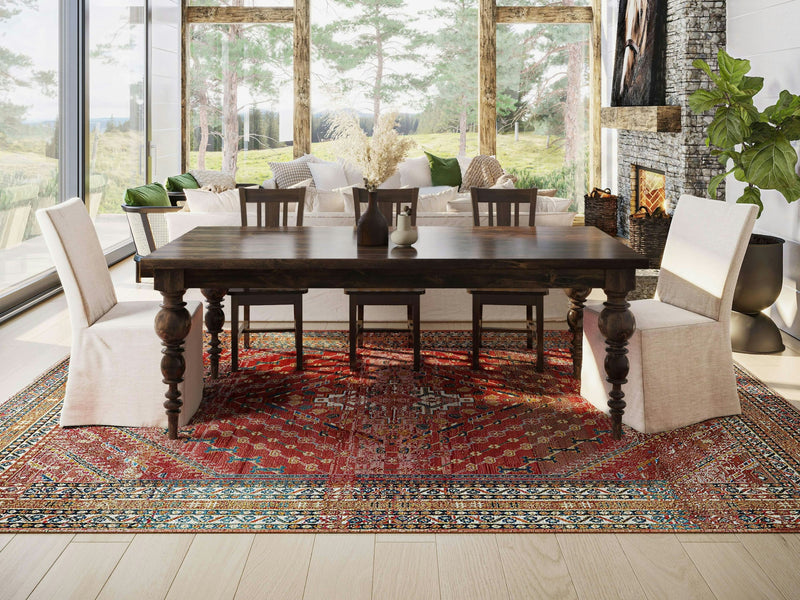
[440,205]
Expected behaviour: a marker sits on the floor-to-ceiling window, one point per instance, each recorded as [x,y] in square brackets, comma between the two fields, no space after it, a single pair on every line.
[240,97]
[73,98]
[420,58]
[117,145]
[543,105]
[29,134]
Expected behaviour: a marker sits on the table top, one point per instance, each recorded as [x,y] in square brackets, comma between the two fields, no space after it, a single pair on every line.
[335,247]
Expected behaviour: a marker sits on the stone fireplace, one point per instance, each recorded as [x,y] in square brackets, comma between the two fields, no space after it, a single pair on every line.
[695,29]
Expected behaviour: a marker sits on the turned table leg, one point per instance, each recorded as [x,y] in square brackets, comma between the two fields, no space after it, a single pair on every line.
[172,325]
[617,325]
[214,320]
[577,300]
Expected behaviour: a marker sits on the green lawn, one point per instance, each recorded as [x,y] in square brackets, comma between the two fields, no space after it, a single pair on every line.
[530,153]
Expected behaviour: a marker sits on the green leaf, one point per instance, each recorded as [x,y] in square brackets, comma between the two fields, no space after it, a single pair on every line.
[728,128]
[790,128]
[787,106]
[714,183]
[732,69]
[761,132]
[738,173]
[771,165]
[702,100]
[751,195]
[699,63]
[751,85]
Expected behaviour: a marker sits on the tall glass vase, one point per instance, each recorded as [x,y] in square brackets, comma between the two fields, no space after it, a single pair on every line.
[372,229]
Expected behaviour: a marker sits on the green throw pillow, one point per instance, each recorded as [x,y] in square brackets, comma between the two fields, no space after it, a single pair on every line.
[178,183]
[444,171]
[152,194]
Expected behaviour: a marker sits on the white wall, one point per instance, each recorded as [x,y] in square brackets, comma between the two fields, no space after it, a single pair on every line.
[765,32]
[610,9]
[165,89]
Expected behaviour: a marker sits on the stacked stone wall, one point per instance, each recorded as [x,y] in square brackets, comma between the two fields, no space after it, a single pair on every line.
[695,29]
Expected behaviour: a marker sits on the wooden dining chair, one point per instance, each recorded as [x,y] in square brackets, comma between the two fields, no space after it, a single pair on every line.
[271,210]
[504,210]
[390,202]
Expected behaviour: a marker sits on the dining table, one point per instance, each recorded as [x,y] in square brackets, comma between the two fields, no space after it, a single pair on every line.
[215,259]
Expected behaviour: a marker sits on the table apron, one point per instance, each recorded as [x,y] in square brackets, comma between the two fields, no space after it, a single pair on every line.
[167,279]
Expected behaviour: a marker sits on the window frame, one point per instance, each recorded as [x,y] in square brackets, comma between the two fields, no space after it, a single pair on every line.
[489,15]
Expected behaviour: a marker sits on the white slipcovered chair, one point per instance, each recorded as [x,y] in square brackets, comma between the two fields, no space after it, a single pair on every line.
[681,364]
[114,372]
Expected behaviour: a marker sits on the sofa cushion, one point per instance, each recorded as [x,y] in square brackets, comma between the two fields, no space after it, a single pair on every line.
[549,204]
[178,183]
[289,173]
[328,175]
[435,198]
[415,172]
[204,201]
[352,173]
[394,182]
[152,194]
[444,171]
[216,179]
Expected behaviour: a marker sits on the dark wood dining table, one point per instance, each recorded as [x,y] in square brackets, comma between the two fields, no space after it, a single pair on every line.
[216,259]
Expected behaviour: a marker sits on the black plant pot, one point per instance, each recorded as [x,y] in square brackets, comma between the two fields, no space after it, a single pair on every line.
[758,286]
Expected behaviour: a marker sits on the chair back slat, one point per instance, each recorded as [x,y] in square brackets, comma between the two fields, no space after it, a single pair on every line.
[390,202]
[272,206]
[500,203]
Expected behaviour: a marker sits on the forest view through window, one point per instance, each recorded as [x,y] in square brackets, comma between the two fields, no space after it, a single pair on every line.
[418,58]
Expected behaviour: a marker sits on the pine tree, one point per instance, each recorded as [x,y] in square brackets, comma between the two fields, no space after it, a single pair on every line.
[366,47]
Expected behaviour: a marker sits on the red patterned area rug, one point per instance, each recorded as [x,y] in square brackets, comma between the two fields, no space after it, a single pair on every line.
[388,449]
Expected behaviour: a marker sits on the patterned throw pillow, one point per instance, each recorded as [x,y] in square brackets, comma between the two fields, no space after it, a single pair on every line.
[483,171]
[287,174]
[218,179]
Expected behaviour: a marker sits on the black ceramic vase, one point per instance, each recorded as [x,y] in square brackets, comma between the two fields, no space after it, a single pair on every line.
[758,286]
[372,229]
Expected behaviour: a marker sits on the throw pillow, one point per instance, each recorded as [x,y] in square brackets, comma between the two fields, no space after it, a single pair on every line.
[483,171]
[549,192]
[311,192]
[152,194]
[328,176]
[415,172]
[205,201]
[287,174]
[216,178]
[178,183]
[393,182]
[504,184]
[353,174]
[444,171]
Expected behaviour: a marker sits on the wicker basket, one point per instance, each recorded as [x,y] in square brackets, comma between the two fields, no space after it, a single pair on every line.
[600,210]
[648,235]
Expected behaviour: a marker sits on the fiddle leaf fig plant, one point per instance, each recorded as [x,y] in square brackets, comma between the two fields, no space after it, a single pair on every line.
[754,145]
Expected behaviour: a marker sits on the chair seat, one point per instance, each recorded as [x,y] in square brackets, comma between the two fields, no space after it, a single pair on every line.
[654,314]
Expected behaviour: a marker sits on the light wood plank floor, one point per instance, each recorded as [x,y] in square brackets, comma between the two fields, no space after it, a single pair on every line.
[384,566]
